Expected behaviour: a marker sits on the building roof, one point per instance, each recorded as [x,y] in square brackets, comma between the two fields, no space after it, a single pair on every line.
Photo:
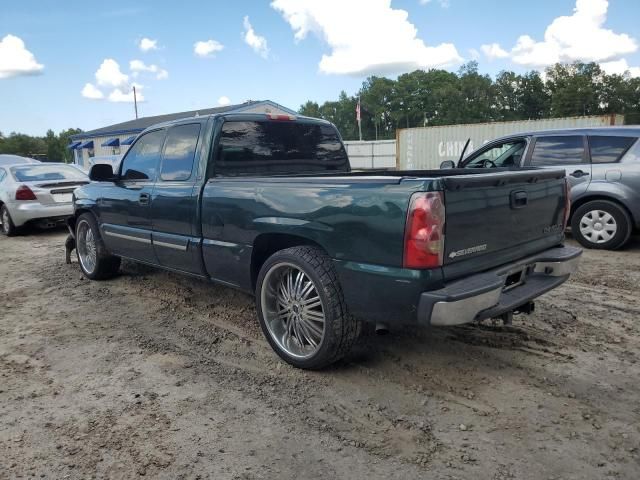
[138,125]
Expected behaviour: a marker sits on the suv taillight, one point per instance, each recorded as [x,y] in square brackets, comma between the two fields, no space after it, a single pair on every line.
[567,202]
[424,231]
[24,193]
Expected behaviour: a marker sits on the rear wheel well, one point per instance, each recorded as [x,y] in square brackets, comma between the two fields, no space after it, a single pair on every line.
[267,244]
[578,203]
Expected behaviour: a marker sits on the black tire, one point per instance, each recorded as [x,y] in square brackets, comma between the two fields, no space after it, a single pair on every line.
[8,229]
[341,329]
[597,239]
[106,265]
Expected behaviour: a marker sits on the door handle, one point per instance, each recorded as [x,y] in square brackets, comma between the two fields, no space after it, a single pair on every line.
[519,199]
[579,173]
[144,199]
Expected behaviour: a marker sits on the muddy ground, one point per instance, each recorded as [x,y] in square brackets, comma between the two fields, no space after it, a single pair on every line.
[157,375]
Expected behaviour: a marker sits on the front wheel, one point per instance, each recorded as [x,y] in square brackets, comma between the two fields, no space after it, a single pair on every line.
[601,224]
[302,310]
[95,262]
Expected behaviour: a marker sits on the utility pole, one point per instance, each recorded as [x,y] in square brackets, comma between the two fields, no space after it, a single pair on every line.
[358,117]
[135,101]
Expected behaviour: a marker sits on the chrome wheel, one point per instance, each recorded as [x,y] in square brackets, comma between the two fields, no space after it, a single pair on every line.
[293,311]
[86,245]
[6,225]
[598,226]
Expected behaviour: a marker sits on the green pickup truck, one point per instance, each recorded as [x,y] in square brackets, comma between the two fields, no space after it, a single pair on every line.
[268,204]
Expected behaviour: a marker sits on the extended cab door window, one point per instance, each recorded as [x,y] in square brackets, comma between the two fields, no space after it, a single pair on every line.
[505,154]
[274,147]
[179,152]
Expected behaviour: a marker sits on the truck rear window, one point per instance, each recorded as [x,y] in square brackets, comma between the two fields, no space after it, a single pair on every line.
[279,147]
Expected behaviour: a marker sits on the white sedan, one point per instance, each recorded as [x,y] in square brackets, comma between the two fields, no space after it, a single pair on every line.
[39,192]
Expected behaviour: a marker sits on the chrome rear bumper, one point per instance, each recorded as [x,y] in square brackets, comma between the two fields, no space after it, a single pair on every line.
[487,294]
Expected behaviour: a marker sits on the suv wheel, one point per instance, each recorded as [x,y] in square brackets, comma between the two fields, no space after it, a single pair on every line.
[601,224]
[301,308]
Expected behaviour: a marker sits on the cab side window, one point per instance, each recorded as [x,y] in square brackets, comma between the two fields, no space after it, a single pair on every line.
[506,154]
[558,151]
[143,159]
[179,152]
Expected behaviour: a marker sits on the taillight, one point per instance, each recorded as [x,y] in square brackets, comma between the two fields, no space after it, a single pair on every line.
[275,116]
[24,193]
[424,231]
[567,202]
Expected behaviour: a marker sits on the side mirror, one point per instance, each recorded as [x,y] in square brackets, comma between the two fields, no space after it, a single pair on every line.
[447,164]
[101,172]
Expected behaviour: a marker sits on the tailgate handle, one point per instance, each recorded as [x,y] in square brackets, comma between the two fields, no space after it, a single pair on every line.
[519,199]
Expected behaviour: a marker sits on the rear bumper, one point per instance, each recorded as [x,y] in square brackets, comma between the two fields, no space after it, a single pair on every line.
[23,212]
[484,295]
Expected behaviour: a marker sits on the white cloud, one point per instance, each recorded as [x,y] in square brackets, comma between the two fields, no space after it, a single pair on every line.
[620,67]
[578,37]
[92,92]
[146,44]
[475,54]
[207,48]
[137,66]
[255,41]
[443,3]
[493,51]
[383,41]
[223,101]
[15,59]
[110,75]
[119,95]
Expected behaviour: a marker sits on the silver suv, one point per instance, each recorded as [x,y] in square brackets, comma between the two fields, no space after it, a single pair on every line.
[603,167]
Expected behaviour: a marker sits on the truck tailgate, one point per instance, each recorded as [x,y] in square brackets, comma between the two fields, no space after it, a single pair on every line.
[499,217]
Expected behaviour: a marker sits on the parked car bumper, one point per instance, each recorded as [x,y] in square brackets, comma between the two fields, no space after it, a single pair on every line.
[504,289]
[23,212]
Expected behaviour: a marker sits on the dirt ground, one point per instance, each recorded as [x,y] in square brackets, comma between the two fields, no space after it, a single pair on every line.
[152,374]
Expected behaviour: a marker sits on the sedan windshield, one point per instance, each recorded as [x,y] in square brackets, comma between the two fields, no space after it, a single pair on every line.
[46,173]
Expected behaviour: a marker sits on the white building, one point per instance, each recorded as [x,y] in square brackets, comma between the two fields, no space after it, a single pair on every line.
[114,140]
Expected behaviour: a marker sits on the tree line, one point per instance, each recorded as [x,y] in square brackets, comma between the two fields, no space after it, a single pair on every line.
[52,147]
[438,97]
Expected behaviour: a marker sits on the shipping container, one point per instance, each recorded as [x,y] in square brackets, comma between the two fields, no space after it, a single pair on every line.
[427,147]
[372,154]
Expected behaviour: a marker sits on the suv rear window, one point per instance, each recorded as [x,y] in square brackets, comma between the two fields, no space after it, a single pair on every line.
[279,147]
[560,151]
[609,149]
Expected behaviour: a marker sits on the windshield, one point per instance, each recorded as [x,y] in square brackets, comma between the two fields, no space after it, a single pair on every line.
[46,173]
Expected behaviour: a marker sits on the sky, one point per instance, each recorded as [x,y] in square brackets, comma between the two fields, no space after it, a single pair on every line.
[74,63]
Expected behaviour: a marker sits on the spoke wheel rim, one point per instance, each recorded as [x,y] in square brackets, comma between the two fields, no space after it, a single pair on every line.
[86,246]
[5,220]
[598,226]
[293,310]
